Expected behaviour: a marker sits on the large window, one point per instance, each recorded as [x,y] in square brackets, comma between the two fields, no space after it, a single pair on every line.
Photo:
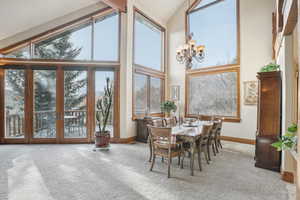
[148,43]
[148,81]
[214,24]
[148,94]
[210,90]
[96,38]
[213,93]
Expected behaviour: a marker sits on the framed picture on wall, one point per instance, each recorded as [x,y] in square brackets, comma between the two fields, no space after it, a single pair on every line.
[250,92]
[175,93]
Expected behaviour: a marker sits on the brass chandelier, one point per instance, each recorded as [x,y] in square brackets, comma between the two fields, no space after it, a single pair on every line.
[189,52]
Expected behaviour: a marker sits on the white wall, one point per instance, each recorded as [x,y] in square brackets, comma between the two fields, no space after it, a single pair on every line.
[256,51]
[128,126]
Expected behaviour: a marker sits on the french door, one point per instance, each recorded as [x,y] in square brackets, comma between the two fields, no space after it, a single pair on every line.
[53,104]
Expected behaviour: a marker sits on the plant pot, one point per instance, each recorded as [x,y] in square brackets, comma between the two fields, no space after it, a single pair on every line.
[102,139]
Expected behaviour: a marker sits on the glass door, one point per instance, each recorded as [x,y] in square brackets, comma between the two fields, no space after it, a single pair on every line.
[75,103]
[14,103]
[100,84]
[44,103]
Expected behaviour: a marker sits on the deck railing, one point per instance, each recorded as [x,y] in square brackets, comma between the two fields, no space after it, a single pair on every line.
[45,122]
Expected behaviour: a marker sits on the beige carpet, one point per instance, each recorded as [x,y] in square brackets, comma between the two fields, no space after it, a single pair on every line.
[75,172]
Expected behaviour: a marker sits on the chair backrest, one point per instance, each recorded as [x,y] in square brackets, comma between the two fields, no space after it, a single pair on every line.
[206,129]
[160,137]
[218,132]
[157,122]
[170,122]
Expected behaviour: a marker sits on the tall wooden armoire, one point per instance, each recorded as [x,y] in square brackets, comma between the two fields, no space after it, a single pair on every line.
[268,120]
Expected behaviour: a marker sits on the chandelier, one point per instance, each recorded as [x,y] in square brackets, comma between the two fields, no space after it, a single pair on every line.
[189,52]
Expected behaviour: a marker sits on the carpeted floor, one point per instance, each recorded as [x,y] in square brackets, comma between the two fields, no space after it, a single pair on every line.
[75,172]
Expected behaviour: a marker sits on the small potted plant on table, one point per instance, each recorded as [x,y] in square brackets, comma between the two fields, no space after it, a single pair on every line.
[104,105]
[167,107]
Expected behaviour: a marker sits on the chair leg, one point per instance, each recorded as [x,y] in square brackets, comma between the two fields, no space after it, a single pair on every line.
[199,159]
[216,146]
[181,164]
[213,148]
[153,161]
[206,155]
[169,166]
[219,141]
[150,147]
[208,151]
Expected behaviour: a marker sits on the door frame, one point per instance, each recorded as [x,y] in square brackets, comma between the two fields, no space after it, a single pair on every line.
[28,110]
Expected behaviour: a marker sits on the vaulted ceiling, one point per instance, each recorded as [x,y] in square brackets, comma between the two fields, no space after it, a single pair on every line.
[17,16]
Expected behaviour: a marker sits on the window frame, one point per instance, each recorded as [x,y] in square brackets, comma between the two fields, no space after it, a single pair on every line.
[163,41]
[90,18]
[147,71]
[214,69]
[236,118]
[187,31]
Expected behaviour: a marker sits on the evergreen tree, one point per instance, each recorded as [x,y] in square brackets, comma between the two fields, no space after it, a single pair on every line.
[57,48]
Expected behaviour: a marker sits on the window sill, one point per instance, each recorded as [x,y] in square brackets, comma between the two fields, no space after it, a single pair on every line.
[135,117]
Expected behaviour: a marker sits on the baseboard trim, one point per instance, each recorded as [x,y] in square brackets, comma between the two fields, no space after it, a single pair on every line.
[238,140]
[287,177]
[122,140]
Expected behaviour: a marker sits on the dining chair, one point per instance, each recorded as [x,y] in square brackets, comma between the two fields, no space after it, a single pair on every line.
[164,145]
[201,146]
[170,122]
[218,135]
[157,123]
[211,143]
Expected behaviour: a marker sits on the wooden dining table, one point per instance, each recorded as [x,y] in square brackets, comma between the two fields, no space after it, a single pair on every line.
[190,134]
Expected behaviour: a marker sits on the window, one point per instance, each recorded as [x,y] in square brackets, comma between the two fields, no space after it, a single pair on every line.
[210,90]
[70,45]
[155,95]
[148,43]
[215,26]
[148,64]
[94,38]
[106,38]
[148,93]
[141,93]
[23,52]
[213,93]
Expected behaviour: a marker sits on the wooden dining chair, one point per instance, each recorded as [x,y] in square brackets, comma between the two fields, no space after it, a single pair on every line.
[218,143]
[201,146]
[211,143]
[157,123]
[164,145]
[170,122]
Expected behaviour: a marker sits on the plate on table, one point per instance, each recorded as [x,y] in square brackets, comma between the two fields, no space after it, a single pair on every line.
[190,125]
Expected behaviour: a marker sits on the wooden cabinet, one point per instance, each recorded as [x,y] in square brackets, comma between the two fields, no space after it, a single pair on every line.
[268,120]
[142,131]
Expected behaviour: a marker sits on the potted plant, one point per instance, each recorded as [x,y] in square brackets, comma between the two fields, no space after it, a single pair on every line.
[104,105]
[167,107]
[271,67]
[287,141]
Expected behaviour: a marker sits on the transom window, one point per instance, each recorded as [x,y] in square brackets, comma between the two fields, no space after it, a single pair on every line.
[95,39]
[214,24]
[148,43]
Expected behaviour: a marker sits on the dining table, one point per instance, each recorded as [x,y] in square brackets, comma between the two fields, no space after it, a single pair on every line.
[189,133]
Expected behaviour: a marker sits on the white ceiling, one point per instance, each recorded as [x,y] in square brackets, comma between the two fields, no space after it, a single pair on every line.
[162,9]
[17,16]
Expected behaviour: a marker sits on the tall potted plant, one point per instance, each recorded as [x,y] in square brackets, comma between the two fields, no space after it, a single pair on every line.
[167,107]
[104,105]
